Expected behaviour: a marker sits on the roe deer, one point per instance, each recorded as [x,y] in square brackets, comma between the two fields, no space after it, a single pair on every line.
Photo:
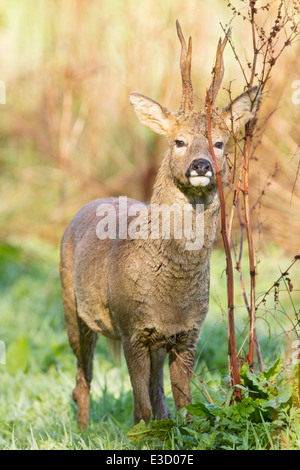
[151,293]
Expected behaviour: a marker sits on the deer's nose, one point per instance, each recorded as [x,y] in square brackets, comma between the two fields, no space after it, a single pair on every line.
[199,167]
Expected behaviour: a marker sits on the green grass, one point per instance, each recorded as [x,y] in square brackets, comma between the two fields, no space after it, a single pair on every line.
[37,411]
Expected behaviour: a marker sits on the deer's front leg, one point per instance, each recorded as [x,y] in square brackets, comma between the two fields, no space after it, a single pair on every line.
[181,363]
[138,363]
[157,396]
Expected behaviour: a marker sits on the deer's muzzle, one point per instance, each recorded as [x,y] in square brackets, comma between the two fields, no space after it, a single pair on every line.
[200,172]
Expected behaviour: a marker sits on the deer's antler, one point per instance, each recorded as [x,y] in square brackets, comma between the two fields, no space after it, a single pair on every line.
[218,71]
[185,67]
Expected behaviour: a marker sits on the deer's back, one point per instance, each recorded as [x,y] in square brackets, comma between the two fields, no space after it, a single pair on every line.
[134,286]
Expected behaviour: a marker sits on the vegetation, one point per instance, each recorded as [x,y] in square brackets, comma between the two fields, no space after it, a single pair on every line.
[37,410]
[68,135]
[266,418]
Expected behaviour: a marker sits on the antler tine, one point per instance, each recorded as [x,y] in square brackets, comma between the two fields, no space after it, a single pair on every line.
[183,47]
[185,67]
[218,71]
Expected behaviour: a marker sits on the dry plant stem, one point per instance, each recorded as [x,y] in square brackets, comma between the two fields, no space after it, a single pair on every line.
[245,297]
[264,45]
[234,205]
[255,50]
[195,375]
[299,378]
[296,258]
[229,267]
[250,247]
[248,136]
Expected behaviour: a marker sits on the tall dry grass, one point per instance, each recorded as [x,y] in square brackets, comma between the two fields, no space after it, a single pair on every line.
[68,133]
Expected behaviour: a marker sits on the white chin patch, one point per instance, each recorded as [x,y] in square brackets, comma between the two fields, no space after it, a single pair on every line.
[199,180]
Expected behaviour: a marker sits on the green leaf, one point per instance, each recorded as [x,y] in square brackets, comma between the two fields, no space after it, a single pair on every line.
[17,355]
[138,432]
[273,371]
[205,409]
[285,393]
[268,404]
[156,429]
[244,409]
[228,397]
[253,382]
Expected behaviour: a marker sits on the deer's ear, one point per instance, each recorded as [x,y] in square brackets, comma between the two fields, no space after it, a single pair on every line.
[242,109]
[152,114]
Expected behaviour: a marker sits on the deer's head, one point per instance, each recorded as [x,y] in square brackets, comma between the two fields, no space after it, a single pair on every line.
[191,164]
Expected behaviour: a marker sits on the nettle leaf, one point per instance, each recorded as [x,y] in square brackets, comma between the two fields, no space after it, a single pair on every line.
[285,392]
[265,404]
[138,432]
[156,429]
[205,409]
[244,409]
[254,383]
[273,371]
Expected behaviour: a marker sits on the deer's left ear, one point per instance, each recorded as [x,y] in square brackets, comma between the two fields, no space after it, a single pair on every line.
[241,110]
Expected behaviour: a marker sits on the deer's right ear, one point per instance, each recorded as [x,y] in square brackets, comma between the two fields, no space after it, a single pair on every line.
[158,118]
[242,109]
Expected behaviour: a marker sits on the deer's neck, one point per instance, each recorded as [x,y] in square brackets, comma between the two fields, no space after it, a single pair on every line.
[167,193]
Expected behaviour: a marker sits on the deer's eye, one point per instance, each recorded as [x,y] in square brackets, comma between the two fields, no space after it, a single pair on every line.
[219,145]
[179,143]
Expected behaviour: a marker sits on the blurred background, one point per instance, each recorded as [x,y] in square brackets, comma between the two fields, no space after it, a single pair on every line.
[68,133]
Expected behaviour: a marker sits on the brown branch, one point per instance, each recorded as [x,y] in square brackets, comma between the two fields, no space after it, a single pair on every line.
[267,47]
[250,245]
[246,153]
[243,287]
[229,267]
[255,50]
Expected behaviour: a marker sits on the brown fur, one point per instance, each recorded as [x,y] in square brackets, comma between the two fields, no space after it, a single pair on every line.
[150,294]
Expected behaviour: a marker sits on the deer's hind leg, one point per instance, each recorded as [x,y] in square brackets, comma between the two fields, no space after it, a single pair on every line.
[82,340]
[85,354]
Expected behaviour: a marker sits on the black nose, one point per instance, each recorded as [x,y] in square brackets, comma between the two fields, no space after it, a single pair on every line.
[201,166]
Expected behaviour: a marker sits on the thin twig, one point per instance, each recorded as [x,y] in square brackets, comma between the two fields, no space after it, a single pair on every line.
[229,266]
[297,173]
[296,258]
[195,375]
